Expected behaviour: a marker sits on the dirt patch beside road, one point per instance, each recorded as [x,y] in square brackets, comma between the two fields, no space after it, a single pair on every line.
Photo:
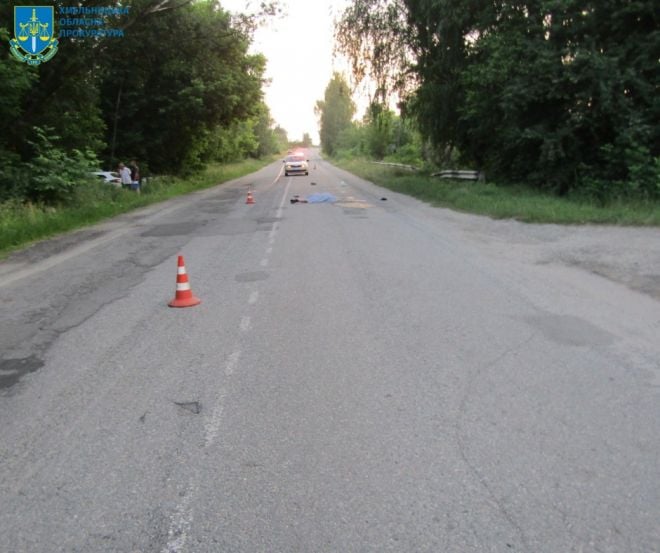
[628,255]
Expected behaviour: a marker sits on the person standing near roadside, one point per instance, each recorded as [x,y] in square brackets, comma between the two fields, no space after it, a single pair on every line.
[125,174]
[135,176]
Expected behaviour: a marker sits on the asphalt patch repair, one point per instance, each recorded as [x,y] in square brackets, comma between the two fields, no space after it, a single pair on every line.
[12,370]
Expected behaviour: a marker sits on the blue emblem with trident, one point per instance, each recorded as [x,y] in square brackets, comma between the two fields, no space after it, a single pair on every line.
[34,39]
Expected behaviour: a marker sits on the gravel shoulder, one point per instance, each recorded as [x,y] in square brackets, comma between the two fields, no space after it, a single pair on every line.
[627,255]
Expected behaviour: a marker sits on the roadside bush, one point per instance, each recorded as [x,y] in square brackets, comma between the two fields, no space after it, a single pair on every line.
[14,180]
[52,175]
[410,154]
[628,171]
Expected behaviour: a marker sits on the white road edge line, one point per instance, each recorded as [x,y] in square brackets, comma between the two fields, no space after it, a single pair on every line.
[54,260]
[278,214]
[180,523]
[254,296]
[279,174]
[181,519]
[232,362]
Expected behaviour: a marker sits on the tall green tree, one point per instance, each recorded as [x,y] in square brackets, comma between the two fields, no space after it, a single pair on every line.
[374,35]
[52,108]
[558,93]
[379,123]
[553,92]
[167,93]
[335,112]
[281,138]
[17,80]
[267,141]
[306,140]
[164,105]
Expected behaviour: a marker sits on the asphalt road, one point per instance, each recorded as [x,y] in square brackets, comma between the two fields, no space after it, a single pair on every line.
[364,376]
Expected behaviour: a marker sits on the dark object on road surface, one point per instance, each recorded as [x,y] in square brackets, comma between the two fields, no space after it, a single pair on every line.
[313,183]
[383,199]
[195,407]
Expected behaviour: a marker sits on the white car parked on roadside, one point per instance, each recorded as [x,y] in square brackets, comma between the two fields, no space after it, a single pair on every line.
[109,177]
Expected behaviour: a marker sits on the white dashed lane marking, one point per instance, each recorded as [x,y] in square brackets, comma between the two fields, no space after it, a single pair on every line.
[182,518]
[232,361]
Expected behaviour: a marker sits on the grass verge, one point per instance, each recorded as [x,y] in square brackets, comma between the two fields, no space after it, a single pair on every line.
[21,224]
[504,202]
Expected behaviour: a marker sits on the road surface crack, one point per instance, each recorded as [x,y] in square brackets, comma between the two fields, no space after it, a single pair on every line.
[462,449]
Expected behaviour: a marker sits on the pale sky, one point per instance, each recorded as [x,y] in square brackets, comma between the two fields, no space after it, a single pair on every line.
[298,47]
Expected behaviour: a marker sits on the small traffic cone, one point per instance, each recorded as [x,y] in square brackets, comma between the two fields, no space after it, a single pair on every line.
[250,199]
[184,296]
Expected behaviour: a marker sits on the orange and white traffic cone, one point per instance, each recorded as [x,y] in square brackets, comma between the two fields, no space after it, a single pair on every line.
[250,199]
[184,296]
